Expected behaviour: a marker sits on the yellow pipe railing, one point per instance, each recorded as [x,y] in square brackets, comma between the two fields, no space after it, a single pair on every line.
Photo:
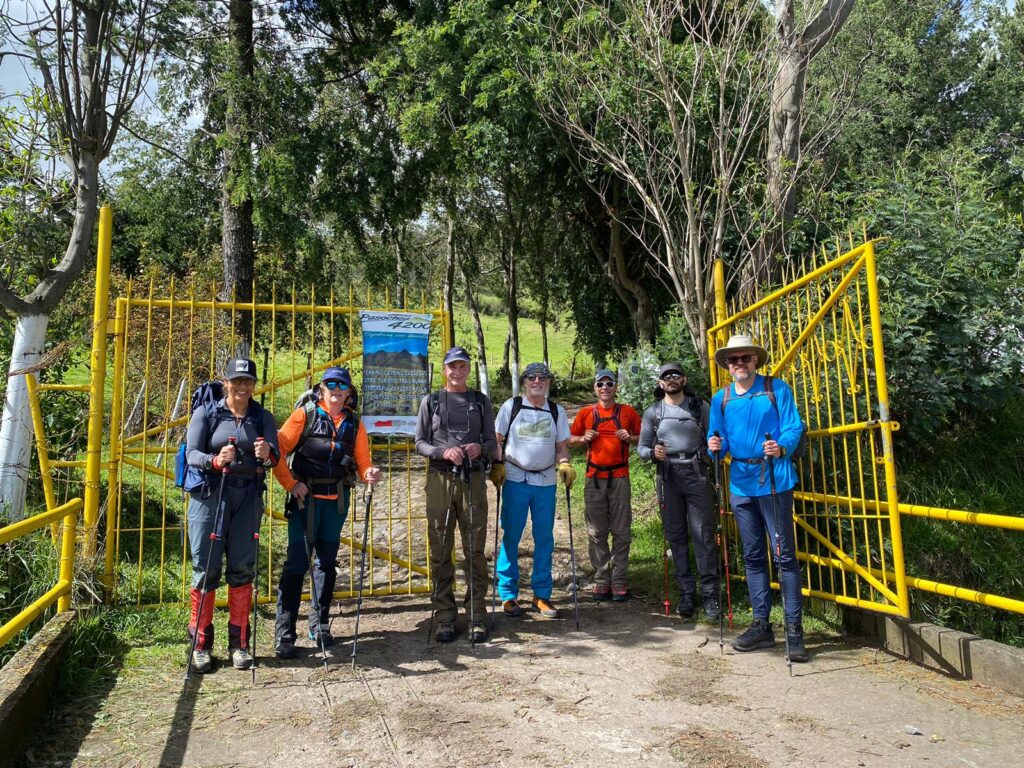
[60,593]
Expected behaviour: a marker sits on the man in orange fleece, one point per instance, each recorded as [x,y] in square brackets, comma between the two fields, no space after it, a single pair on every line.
[328,449]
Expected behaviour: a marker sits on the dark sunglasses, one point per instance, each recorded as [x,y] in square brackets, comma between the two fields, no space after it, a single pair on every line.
[671,376]
[336,385]
[603,384]
[739,359]
[535,377]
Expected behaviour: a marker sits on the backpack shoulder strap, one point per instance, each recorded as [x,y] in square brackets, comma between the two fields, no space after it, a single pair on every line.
[659,414]
[726,395]
[517,406]
[553,407]
[616,413]
[769,389]
[309,409]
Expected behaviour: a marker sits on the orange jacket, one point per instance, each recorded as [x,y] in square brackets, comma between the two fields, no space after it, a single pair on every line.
[288,438]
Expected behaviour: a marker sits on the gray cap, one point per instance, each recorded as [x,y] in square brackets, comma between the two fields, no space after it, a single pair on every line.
[537,369]
[604,373]
[670,367]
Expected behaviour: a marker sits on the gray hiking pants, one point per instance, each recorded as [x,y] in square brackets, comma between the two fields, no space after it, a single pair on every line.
[607,509]
[241,514]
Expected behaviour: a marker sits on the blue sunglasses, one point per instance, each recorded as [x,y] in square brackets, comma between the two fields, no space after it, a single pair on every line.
[332,384]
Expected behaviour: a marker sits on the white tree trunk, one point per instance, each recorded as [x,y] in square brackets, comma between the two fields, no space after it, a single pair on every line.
[484,383]
[16,427]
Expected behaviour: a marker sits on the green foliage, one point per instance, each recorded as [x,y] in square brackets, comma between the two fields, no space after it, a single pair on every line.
[949,278]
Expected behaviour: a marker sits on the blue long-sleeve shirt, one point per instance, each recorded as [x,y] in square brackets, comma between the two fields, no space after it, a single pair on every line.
[742,428]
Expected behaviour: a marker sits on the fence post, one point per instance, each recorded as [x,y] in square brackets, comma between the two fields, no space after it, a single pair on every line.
[116,435]
[97,377]
[885,424]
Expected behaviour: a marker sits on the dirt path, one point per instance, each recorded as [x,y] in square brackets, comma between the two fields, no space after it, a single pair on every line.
[632,688]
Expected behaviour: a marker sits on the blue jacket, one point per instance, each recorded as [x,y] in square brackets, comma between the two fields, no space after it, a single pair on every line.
[742,428]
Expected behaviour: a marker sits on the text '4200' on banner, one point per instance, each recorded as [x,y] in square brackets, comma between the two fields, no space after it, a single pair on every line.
[394,370]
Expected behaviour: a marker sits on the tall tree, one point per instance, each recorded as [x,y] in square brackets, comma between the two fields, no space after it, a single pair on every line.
[88,62]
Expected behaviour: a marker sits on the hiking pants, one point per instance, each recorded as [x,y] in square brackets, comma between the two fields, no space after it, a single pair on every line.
[442,488]
[687,511]
[755,518]
[314,533]
[242,511]
[607,510]
[518,500]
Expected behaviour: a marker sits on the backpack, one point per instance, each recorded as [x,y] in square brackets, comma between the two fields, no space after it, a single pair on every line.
[769,389]
[205,396]
[614,418]
[517,406]
[435,407]
[694,405]
[309,401]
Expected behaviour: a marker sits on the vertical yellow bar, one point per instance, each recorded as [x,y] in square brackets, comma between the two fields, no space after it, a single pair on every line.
[41,449]
[114,474]
[97,377]
[720,316]
[66,569]
[885,423]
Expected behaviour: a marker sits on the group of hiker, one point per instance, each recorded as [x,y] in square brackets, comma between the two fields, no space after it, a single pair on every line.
[524,452]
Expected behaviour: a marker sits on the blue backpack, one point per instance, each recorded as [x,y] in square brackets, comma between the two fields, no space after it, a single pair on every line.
[206,396]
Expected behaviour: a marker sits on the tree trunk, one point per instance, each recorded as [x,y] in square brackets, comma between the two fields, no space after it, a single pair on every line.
[16,429]
[236,166]
[483,382]
[400,281]
[512,305]
[449,274]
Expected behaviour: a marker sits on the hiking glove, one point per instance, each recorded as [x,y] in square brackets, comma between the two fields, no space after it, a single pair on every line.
[566,474]
[497,474]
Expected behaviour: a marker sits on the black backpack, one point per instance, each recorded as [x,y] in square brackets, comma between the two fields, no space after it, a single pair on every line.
[517,406]
[769,389]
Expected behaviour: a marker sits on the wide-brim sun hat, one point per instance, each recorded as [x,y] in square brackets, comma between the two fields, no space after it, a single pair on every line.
[537,369]
[741,342]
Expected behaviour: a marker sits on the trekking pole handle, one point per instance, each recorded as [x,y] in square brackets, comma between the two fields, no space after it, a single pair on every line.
[233,442]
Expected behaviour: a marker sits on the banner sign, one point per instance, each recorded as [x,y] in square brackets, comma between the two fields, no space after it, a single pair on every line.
[394,370]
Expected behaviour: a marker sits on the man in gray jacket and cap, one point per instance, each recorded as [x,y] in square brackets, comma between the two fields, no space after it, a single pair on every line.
[673,435]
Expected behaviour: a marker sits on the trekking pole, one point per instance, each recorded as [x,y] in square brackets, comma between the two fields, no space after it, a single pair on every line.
[778,550]
[723,545]
[467,477]
[664,541]
[444,546]
[572,558]
[261,473]
[313,599]
[362,570]
[494,574]
[218,519]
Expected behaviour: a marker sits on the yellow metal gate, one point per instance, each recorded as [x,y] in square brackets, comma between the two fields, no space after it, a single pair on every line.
[823,334]
[167,342]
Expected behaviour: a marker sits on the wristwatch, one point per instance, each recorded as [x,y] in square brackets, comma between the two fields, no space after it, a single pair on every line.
[208,461]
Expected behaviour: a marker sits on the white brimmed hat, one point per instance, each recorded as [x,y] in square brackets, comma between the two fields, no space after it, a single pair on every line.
[741,343]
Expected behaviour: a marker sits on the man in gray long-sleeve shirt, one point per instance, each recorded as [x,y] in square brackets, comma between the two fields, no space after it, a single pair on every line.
[455,429]
[672,433]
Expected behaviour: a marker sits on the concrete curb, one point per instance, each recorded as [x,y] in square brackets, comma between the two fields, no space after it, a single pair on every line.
[957,654]
[27,683]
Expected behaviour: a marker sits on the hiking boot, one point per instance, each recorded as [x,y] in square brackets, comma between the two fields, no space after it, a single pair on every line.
[479,632]
[511,608]
[687,606]
[758,635]
[241,658]
[602,592]
[325,635]
[286,650]
[712,610]
[445,631]
[545,608]
[795,641]
[620,594]
[202,661]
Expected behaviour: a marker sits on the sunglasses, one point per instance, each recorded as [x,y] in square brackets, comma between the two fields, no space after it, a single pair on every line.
[537,377]
[603,384]
[671,377]
[336,385]
[739,359]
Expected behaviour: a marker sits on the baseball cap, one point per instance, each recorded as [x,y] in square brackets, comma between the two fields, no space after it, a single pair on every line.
[334,373]
[456,353]
[604,373]
[240,368]
[670,367]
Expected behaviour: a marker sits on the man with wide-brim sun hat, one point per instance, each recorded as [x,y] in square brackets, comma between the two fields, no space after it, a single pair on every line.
[742,413]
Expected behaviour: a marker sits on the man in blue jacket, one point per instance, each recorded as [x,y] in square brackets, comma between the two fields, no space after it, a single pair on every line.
[741,415]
